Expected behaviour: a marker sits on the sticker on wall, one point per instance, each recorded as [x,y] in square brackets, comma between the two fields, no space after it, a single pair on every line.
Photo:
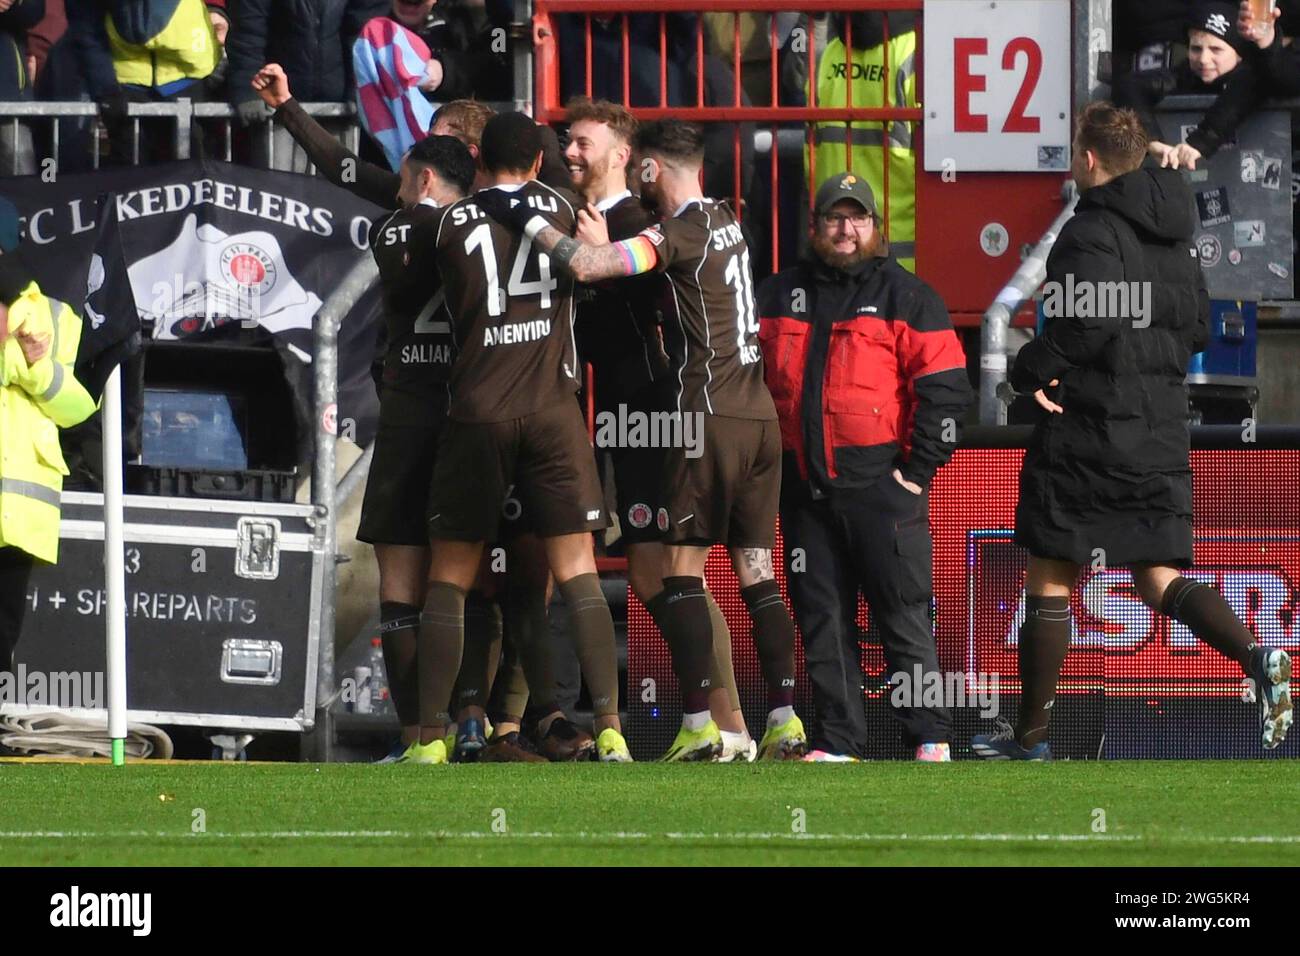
[1234,256]
[1247,233]
[1278,270]
[1052,157]
[1271,173]
[1212,206]
[1209,249]
[994,239]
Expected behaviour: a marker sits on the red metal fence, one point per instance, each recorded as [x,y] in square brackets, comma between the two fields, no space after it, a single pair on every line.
[550,108]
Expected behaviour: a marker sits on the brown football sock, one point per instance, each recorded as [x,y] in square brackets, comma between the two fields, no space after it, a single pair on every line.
[682,614]
[482,648]
[773,639]
[1043,644]
[593,640]
[399,626]
[1210,618]
[442,637]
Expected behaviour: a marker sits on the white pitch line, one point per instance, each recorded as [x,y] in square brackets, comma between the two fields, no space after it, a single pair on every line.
[626,835]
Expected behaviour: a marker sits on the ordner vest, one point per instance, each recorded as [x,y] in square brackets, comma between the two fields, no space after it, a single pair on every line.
[864,156]
[35,402]
[174,41]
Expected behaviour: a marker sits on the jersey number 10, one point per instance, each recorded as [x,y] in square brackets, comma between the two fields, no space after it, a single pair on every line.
[740,278]
[480,238]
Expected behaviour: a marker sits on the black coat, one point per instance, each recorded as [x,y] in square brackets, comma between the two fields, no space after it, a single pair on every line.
[311,39]
[1134,25]
[1111,471]
[1237,94]
[462,38]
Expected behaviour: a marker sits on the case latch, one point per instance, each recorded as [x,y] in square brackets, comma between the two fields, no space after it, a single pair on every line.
[258,553]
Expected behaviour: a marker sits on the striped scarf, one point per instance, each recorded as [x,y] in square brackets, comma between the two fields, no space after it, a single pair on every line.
[390,64]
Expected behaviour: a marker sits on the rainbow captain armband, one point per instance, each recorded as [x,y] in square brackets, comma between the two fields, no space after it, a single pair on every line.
[638,254]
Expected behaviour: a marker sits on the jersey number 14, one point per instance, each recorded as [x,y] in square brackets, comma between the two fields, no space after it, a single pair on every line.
[480,238]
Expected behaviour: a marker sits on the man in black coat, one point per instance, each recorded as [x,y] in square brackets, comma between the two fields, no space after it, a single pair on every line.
[1106,475]
[312,41]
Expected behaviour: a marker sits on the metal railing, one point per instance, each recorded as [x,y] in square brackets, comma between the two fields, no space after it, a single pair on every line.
[997,318]
[183,114]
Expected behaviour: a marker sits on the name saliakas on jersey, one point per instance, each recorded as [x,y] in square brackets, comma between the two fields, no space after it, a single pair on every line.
[420,349]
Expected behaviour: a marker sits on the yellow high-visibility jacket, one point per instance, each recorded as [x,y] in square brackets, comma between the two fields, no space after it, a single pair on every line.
[35,402]
[864,156]
[177,43]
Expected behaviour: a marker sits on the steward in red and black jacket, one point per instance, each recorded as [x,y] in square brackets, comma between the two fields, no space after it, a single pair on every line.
[866,371]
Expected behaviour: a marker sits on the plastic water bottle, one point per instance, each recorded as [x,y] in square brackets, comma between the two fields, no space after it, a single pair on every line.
[379,696]
[361,676]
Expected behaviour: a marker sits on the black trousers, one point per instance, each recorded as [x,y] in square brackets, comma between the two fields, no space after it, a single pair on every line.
[875,541]
[15,570]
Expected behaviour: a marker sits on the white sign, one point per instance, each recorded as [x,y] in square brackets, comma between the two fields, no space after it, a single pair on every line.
[997,85]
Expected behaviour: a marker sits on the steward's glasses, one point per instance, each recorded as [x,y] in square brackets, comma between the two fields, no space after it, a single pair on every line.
[836,219]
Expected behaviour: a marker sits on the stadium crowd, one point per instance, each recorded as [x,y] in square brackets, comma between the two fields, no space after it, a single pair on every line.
[116,52]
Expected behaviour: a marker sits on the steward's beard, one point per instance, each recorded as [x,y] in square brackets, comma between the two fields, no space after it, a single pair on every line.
[825,250]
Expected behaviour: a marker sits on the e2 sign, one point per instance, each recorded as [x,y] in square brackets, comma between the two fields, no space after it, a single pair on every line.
[997,85]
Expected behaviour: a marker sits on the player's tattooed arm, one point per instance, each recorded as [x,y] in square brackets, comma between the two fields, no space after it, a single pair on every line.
[588,263]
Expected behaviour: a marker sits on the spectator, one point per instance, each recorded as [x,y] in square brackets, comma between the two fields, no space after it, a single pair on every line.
[312,40]
[468,41]
[755,47]
[720,138]
[643,56]
[44,35]
[861,143]
[463,119]
[391,64]
[141,52]
[643,86]
[1278,63]
[16,18]
[61,76]
[1214,66]
[842,331]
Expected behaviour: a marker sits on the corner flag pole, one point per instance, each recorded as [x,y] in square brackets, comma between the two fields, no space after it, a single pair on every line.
[114,566]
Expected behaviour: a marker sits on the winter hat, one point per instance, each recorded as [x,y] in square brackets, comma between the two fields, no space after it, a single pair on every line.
[1219,19]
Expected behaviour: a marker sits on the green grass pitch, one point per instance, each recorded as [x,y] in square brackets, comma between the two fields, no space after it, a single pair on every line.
[1155,813]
